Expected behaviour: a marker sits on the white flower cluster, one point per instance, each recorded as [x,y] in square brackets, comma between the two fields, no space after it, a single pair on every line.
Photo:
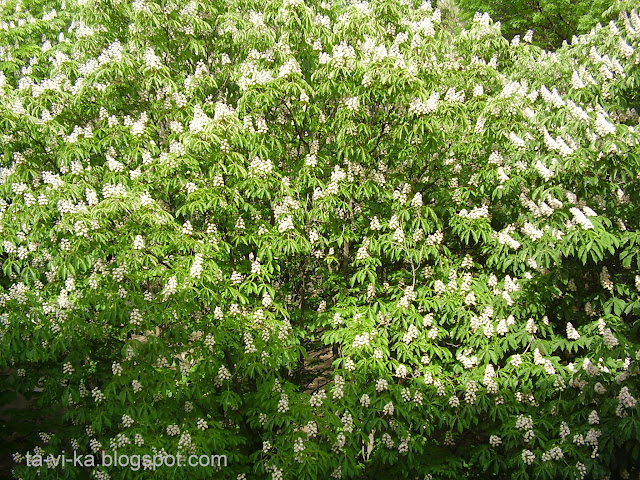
[531,327]
[565,431]
[503,325]
[403,447]
[9,247]
[554,454]
[75,134]
[605,280]
[483,321]
[531,231]
[67,206]
[101,475]
[95,445]
[138,242]
[317,398]
[411,334]
[363,251]
[344,55]
[223,375]
[185,442]
[260,168]
[116,368]
[127,421]
[283,403]
[402,371]
[402,194]
[339,444]
[113,191]
[375,224]
[609,340]
[222,111]
[349,364]
[407,297]
[398,235]
[572,333]
[528,457]
[589,367]
[439,287]
[603,126]
[524,422]
[137,127]
[236,278]
[471,391]
[489,379]
[453,96]
[626,399]
[120,441]
[170,288]
[475,213]
[285,224]
[347,422]
[406,394]
[290,67]
[467,359]
[361,340]
[196,267]
[388,441]
[592,436]
[253,75]
[92,197]
[427,321]
[419,107]
[276,473]
[539,359]
[298,445]
[114,165]
[381,385]
[505,239]
[97,395]
[576,81]
[552,97]
[199,121]
[146,199]
[177,148]
[338,387]
[577,112]
[540,209]
[352,103]
[261,125]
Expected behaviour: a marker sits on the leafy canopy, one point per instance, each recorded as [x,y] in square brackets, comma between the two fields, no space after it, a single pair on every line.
[326,241]
[553,21]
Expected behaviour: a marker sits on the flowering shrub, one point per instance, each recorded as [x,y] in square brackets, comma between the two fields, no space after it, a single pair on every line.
[325,241]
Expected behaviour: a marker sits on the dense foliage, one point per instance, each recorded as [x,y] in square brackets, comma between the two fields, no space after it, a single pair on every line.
[553,21]
[327,241]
